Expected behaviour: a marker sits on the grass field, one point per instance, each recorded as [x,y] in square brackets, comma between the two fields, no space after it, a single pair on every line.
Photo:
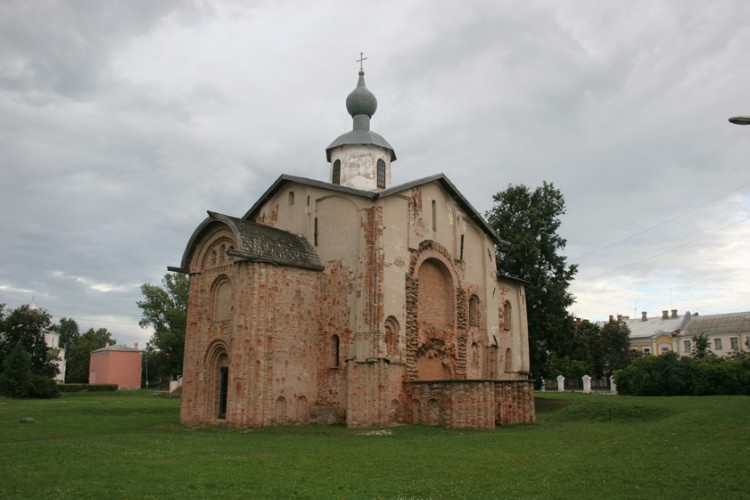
[130,445]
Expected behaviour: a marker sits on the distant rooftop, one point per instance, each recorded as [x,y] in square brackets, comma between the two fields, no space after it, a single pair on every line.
[116,348]
[686,324]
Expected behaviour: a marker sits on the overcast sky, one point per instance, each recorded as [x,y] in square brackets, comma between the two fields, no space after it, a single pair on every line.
[121,123]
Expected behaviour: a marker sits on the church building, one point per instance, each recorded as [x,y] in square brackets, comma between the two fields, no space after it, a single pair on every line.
[354,301]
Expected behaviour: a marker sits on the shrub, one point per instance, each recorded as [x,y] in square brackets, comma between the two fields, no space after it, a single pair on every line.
[18,381]
[87,387]
[670,375]
[15,380]
[43,387]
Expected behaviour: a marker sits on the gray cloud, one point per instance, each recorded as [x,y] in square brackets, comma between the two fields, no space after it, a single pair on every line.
[121,123]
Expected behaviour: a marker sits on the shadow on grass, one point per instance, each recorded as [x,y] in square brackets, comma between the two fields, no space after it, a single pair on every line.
[598,409]
[544,405]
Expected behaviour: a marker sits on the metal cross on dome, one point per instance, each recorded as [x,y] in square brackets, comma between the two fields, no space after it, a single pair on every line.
[361,58]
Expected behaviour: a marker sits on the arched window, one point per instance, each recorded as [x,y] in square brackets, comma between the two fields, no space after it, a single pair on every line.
[335,351]
[395,411]
[222,300]
[434,412]
[391,336]
[416,411]
[336,174]
[474,310]
[291,198]
[301,409]
[508,360]
[280,410]
[507,316]
[381,174]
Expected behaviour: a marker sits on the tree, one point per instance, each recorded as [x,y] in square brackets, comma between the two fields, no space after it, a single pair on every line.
[79,354]
[68,330]
[701,346]
[585,345]
[529,220]
[15,380]
[26,325]
[615,346]
[165,309]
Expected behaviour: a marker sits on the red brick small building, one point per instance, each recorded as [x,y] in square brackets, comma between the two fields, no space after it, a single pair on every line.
[116,364]
[354,301]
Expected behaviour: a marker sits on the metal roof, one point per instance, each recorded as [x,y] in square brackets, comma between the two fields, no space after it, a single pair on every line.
[258,242]
[719,323]
[655,326]
[688,324]
[360,137]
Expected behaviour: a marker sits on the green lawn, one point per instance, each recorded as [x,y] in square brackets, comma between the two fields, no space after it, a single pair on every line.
[130,445]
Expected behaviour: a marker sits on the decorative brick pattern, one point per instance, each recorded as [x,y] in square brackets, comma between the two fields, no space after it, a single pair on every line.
[274,341]
[476,404]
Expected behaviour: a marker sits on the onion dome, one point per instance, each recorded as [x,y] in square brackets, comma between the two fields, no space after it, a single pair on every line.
[361,105]
[361,101]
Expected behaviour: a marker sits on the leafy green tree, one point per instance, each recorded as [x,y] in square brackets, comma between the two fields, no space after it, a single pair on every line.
[671,375]
[153,373]
[568,367]
[15,380]
[701,346]
[165,309]
[615,346]
[585,346]
[26,325]
[79,354]
[529,220]
[68,330]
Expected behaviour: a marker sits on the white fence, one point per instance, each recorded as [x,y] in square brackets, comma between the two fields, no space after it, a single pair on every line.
[584,384]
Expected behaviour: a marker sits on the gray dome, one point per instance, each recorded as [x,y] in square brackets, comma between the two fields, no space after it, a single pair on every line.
[361,101]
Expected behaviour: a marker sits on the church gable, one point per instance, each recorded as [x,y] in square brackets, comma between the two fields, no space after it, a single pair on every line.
[256,242]
[355,302]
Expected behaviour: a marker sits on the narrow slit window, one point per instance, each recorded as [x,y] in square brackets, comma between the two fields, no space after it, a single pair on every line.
[434,215]
[336,174]
[381,174]
[335,360]
[474,310]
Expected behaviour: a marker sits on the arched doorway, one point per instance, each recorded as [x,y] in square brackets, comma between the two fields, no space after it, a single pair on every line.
[217,368]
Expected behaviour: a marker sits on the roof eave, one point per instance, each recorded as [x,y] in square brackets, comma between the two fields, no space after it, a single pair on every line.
[250,257]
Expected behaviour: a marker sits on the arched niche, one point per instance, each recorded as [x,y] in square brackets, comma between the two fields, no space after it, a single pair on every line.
[217,364]
[221,299]
[392,336]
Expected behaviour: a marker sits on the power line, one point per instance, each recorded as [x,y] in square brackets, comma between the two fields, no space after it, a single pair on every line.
[610,245]
[667,251]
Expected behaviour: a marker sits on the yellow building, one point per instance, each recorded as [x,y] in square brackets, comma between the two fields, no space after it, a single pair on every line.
[672,332]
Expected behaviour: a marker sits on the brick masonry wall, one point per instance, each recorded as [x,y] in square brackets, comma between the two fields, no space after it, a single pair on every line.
[514,402]
[475,404]
[277,342]
[367,397]
[270,341]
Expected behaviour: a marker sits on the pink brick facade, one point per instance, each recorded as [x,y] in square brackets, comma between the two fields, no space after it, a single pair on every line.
[327,303]
[116,364]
